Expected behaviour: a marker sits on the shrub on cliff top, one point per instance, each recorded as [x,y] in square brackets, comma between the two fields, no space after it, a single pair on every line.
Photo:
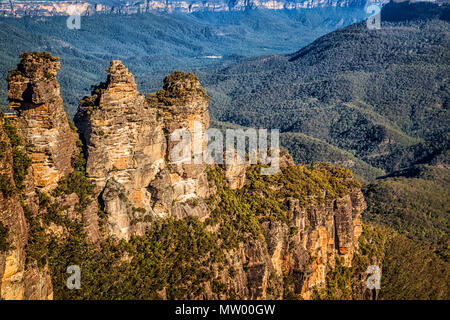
[178,88]
[38,55]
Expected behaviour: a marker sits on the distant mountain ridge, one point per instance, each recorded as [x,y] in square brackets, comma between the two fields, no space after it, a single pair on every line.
[155,44]
[22,8]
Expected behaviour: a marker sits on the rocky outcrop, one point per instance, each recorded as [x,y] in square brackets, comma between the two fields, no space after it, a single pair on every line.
[294,260]
[124,146]
[52,8]
[34,93]
[183,107]
[328,233]
[128,145]
[12,260]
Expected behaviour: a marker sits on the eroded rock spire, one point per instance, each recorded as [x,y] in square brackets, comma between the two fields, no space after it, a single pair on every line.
[128,149]
[34,93]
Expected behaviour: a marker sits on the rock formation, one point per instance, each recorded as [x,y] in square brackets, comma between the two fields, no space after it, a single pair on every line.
[33,92]
[128,146]
[289,229]
[329,233]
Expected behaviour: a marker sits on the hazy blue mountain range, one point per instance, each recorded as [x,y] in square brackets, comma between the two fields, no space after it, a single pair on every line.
[153,45]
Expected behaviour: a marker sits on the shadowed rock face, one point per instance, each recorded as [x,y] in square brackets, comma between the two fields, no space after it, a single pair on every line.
[327,232]
[33,92]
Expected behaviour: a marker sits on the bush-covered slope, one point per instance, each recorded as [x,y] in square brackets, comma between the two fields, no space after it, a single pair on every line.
[189,259]
[415,202]
[409,270]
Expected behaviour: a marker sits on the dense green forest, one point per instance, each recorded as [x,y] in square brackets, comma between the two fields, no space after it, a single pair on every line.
[415,202]
[153,45]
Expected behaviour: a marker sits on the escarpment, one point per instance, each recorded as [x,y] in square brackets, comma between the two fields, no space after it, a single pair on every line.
[221,231]
[309,220]
[22,8]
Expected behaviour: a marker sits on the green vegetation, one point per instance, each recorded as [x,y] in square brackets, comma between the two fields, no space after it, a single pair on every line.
[87,104]
[36,248]
[153,45]
[240,212]
[175,257]
[179,87]
[232,213]
[21,161]
[5,245]
[306,149]
[406,232]
[410,271]
[345,283]
[6,187]
[38,55]
[415,203]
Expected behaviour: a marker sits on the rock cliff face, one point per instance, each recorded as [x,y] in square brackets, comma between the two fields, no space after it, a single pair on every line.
[329,233]
[33,92]
[129,146]
[278,235]
[52,8]
[18,279]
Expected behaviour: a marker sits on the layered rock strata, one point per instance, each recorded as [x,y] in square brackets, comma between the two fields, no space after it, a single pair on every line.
[128,145]
[34,93]
[18,279]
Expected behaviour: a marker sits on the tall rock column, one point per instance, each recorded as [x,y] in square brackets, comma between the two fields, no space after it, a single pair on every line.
[125,148]
[183,104]
[34,93]
[128,144]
